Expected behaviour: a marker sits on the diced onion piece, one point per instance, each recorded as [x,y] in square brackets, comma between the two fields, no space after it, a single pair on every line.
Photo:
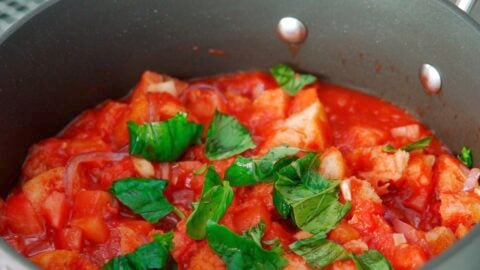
[472,179]
[73,163]
[399,238]
[407,230]
[163,87]
[345,188]
[144,167]
[411,132]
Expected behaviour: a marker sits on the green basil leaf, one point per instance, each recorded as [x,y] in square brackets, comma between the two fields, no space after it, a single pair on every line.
[305,196]
[200,170]
[318,251]
[466,157]
[255,233]
[239,252]
[290,81]
[247,171]
[143,196]
[226,137]
[371,260]
[389,148]
[420,144]
[154,255]
[163,141]
[214,201]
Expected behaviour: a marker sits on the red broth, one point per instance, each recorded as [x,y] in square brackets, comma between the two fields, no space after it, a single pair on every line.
[409,206]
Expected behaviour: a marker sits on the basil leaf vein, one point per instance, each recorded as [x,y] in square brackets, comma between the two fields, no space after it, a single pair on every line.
[371,260]
[226,137]
[154,255]
[318,251]
[239,252]
[143,196]
[163,141]
[214,201]
[305,196]
[247,171]
[290,81]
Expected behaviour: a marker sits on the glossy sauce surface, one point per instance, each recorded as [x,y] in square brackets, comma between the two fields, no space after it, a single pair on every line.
[409,206]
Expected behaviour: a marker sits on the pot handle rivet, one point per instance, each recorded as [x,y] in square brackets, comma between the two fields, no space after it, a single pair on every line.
[430,78]
[292,30]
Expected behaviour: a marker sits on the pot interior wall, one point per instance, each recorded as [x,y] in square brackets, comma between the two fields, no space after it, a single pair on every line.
[76,54]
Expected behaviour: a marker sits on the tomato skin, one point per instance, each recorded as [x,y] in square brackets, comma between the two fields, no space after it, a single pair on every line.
[69,238]
[408,257]
[249,215]
[21,216]
[55,209]
[343,233]
[99,203]
[55,260]
[94,228]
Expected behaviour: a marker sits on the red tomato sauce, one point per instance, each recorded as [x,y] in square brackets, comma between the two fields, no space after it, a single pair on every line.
[409,206]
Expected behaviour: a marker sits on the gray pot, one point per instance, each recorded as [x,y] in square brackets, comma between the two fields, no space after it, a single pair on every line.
[71,55]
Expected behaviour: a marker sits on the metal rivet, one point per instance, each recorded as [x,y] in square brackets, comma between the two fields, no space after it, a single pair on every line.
[291,30]
[430,79]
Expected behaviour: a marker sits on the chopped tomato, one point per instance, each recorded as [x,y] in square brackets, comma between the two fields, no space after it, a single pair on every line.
[94,203]
[93,228]
[55,209]
[21,216]
[69,238]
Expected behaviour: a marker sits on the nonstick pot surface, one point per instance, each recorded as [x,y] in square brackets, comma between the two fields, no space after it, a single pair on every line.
[75,54]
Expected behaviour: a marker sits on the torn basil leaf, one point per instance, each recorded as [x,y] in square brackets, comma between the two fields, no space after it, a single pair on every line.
[371,260]
[290,81]
[466,157]
[226,137]
[143,196]
[255,233]
[239,252]
[420,144]
[318,251]
[163,141]
[303,195]
[214,201]
[247,171]
[154,255]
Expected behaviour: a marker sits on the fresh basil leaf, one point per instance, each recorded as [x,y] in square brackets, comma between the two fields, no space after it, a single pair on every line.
[305,196]
[371,260]
[143,196]
[239,252]
[290,81]
[255,233]
[154,255]
[420,144]
[163,141]
[242,172]
[200,170]
[318,251]
[466,157]
[226,137]
[214,201]
[247,171]
[389,148]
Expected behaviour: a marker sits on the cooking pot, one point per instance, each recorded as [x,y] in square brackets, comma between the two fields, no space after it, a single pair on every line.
[70,55]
